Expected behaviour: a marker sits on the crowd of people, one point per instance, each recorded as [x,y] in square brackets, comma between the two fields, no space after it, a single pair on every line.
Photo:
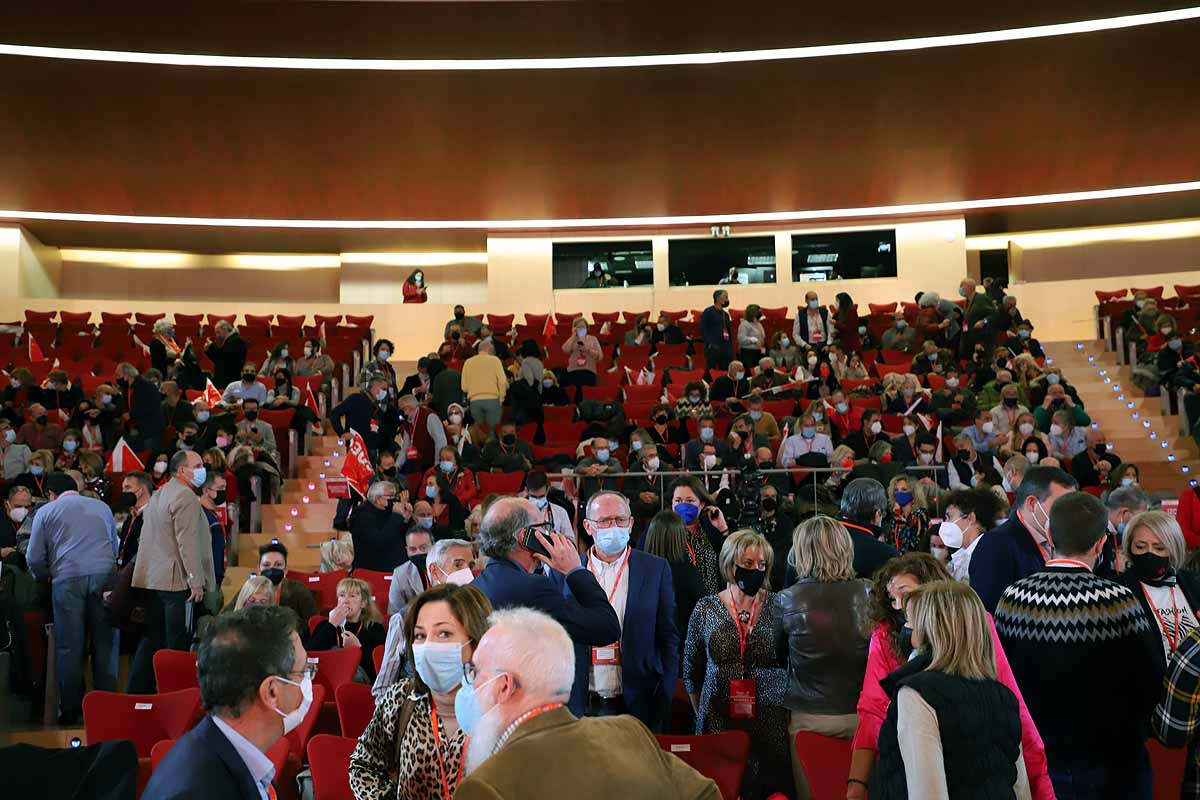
[930,565]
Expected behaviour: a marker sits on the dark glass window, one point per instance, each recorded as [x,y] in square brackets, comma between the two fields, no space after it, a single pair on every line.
[708,262]
[843,256]
[597,265]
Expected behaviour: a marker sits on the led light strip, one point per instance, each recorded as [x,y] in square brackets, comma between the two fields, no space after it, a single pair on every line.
[603,62]
[952,206]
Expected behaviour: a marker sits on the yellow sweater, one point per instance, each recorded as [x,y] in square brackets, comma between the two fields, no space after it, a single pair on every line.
[483,378]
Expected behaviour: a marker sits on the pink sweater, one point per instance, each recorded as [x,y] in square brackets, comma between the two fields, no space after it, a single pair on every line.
[873,707]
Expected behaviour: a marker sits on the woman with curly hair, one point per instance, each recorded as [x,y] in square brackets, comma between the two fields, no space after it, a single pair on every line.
[891,646]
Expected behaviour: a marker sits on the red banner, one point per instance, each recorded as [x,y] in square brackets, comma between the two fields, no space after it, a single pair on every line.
[337,489]
[357,469]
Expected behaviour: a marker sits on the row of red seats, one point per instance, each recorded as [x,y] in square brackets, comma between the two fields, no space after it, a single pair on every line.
[83,317]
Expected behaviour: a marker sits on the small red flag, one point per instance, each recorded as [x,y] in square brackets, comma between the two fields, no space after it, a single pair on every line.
[123,459]
[548,328]
[35,352]
[310,400]
[212,395]
[357,469]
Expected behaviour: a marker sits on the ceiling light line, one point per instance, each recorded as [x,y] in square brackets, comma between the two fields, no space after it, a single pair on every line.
[604,62]
[909,209]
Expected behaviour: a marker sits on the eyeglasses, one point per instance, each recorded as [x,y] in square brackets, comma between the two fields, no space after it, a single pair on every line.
[307,671]
[610,522]
[469,672]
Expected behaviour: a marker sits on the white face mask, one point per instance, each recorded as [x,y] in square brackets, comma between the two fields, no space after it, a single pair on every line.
[18,514]
[456,419]
[876,427]
[988,427]
[652,464]
[710,461]
[941,554]
[292,719]
[926,458]
[1025,428]
[1056,430]
[951,534]
[460,577]
[909,430]
[308,352]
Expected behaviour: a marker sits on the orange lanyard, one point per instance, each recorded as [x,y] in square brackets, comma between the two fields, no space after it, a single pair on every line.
[691,551]
[1172,640]
[624,563]
[743,635]
[437,740]
[39,482]
[1047,557]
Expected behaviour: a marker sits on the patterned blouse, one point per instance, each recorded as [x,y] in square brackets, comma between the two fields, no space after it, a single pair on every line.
[418,775]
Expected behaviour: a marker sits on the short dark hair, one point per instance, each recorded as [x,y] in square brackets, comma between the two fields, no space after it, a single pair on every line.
[861,498]
[1077,521]
[178,460]
[59,482]
[925,437]
[536,479]
[717,294]
[981,502]
[249,400]
[143,478]
[1037,481]
[273,547]
[240,651]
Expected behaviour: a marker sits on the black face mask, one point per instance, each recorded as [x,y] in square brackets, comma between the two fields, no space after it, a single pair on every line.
[769,503]
[248,377]
[1101,450]
[128,500]
[459,315]
[390,472]
[220,498]
[189,439]
[455,335]
[1010,402]
[661,419]
[964,454]
[749,580]
[768,464]
[274,575]
[1150,568]
[280,383]
[251,415]
[509,439]
[42,419]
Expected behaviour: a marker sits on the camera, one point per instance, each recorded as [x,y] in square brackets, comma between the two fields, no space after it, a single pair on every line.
[750,484]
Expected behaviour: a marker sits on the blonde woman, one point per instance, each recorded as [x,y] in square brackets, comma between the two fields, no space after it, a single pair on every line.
[910,513]
[354,622]
[1153,550]
[825,628]
[842,462]
[256,591]
[336,554]
[952,729]
[731,663]
[751,336]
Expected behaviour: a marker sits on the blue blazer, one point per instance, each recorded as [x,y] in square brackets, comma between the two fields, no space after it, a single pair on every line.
[202,764]
[584,610]
[1003,556]
[649,641]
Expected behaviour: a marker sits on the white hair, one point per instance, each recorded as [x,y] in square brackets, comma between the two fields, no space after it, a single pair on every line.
[377,488]
[536,650]
[439,549]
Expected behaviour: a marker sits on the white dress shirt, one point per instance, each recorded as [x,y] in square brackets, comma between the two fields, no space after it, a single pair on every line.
[605,679]
[960,563]
[260,767]
[796,445]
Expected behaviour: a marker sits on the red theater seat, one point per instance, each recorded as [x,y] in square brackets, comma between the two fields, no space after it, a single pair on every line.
[175,670]
[329,759]
[360,322]
[355,706]
[826,762]
[882,308]
[719,756]
[290,322]
[1156,292]
[507,483]
[1105,297]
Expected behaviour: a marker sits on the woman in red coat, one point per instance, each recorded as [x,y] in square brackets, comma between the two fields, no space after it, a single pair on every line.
[414,287]
[461,479]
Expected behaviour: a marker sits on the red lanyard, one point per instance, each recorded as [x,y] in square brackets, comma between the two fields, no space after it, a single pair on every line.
[1172,640]
[613,592]
[39,482]
[743,635]
[1048,557]
[437,739]
[691,552]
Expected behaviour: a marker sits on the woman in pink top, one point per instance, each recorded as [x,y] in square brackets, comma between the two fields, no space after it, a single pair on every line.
[583,355]
[890,646]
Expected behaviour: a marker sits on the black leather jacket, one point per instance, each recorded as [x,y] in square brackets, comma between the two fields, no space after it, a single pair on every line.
[825,644]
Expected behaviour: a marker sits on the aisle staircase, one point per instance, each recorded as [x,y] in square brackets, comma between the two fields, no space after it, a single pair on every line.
[1136,427]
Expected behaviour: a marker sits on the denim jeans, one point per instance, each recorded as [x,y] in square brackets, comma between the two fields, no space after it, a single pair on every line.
[166,629]
[78,620]
[1104,780]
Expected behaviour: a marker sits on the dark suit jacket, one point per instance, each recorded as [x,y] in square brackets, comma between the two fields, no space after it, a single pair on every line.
[584,611]
[145,408]
[869,553]
[228,358]
[202,764]
[1002,557]
[649,641]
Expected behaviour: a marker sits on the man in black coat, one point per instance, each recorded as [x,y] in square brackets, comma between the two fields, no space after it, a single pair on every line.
[144,410]
[228,354]
[378,528]
[864,505]
[1086,468]
[369,413]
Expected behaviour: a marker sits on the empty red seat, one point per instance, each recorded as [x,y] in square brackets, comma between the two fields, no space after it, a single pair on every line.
[504,321]
[41,316]
[935,381]
[175,670]
[355,706]
[606,393]
[641,394]
[329,759]
[779,408]
[679,377]
[886,369]
[324,319]
[259,319]
[719,756]
[1104,297]
[871,401]
[324,586]
[882,308]
[286,321]
[1155,292]
[144,719]
[1186,291]
[335,667]
[499,482]
[563,432]
[188,319]
[360,321]
[75,317]
[826,763]
[559,413]
[148,319]
[775,313]
[602,317]
[213,319]
[850,384]
[564,320]
[536,321]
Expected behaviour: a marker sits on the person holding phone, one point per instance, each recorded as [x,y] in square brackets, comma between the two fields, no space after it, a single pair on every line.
[516,540]
[354,622]
[583,354]
[706,528]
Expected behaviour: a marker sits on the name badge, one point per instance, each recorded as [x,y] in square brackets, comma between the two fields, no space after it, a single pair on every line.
[609,655]
[581,361]
[374,426]
[412,454]
[741,699]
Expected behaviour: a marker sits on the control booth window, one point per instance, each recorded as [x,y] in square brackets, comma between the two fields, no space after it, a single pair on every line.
[599,265]
[717,262]
[843,256]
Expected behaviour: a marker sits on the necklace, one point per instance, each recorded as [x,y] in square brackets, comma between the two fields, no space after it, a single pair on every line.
[744,617]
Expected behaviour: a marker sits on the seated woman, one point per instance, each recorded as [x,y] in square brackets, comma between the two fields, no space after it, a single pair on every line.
[256,591]
[336,554]
[1153,551]
[1124,474]
[784,351]
[413,746]
[693,403]
[892,645]
[448,511]
[952,728]
[41,464]
[354,622]
[460,478]
[910,514]
[1021,437]
[665,428]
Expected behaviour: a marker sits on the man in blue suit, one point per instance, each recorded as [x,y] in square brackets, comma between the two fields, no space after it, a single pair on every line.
[636,675]
[256,686]
[508,579]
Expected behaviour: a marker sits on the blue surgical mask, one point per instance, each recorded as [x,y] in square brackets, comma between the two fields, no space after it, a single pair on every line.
[932,357]
[612,540]
[381,395]
[1175,344]
[1053,379]
[199,476]
[37,470]
[687,512]
[635,445]
[602,455]
[808,433]
[202,416]
[756,415]
[540,502]
[785,343]
[425,523]
[1024,334]
[439,664]
[581,332]
[447,466]
[384,354]
[10,435]
[901,324]
[814,304]
[613,444]
[904,498]
[707,434]
[466,705]
[431,492]
[843,407]
[70,446]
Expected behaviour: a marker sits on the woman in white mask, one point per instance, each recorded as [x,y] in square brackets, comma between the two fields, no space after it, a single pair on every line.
[969,514]
[413,747]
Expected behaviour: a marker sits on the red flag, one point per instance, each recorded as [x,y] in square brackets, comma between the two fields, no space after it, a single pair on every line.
[35,352]
[211,395]
[548,329]
[310,400]
[123,459]
[357,469]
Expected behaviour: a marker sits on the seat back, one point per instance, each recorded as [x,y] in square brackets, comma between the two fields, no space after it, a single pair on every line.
[826,762]
[159,751]
[329,759]
[1169,767]
[720,756]
[355,706]
[379,583]
[175,670]
[335,667]
[499,482]
[144,719]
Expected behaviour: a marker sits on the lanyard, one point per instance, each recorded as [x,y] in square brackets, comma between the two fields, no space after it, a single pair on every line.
[437,740]
[1172,639]
[1048,555]
[613,592]
[691,551]
[39,482]
[743,635]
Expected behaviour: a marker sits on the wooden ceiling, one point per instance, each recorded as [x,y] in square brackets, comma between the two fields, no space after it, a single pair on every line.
[1092,111]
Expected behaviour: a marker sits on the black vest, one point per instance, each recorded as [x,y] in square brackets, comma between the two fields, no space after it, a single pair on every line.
[980,727]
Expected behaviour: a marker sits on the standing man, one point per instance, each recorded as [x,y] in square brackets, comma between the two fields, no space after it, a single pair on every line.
[811,328]
[638,673]
[216,514]
[977,310]
[174,564]
[716,329]
[537,489]
[485,384]
[422,435]
[369,413]
[143,409]
[74,544]
[228,354]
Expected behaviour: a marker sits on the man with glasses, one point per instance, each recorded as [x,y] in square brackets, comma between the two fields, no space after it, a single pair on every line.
[582,607]
[511,705]
[637,673]
[256,684]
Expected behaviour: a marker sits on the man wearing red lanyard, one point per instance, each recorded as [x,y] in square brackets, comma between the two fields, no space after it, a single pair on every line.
[511,706]
[636,674]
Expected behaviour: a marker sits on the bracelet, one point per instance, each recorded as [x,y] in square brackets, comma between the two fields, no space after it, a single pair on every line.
[856,780]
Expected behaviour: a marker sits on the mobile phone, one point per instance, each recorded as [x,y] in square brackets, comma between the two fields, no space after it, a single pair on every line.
[527,538]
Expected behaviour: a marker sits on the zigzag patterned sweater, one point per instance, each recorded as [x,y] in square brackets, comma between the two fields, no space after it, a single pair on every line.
[1078,647]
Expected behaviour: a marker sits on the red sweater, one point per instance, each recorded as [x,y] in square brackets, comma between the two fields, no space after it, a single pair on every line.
[1188,517]
[414,293]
